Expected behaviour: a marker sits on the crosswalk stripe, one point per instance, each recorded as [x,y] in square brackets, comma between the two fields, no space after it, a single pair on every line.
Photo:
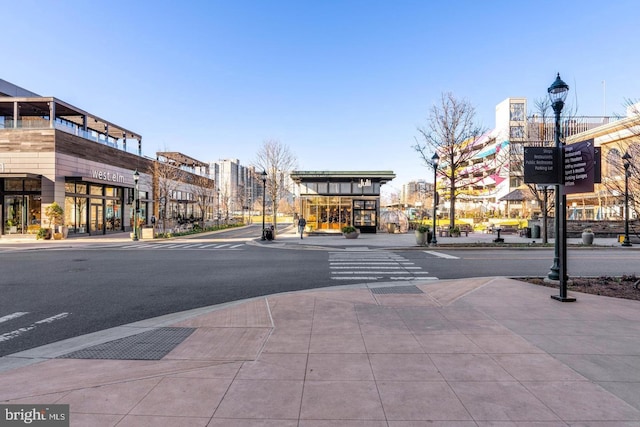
[441,255]
[13,316]
[380,267]
[379,272]
[17,332]
[377,265]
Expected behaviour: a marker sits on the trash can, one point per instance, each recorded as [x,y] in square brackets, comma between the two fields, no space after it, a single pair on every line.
[527,232]
[536,232]
[268,233]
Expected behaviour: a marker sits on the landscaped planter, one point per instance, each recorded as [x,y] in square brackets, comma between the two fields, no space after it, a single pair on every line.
[587,238]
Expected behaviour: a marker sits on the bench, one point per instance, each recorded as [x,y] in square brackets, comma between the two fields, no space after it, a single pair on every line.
[507,229]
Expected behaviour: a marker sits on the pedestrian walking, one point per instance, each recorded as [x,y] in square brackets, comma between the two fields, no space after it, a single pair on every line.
[301,224]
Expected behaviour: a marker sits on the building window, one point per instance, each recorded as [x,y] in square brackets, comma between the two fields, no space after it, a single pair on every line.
[614,163]
[517,112]
[516,132]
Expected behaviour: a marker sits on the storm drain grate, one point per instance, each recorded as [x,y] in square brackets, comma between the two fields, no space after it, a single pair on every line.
[397,290]
[150,345]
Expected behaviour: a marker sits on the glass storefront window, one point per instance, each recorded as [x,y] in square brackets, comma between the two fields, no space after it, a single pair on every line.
[96,190]
[69,187]
[13,212]
[13,184]
[32,184]
[81,188]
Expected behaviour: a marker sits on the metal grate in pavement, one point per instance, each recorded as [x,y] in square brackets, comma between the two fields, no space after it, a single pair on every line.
[397,290]
[150,345]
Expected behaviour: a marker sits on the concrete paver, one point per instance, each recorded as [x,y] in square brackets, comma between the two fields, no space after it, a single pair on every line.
[468,352]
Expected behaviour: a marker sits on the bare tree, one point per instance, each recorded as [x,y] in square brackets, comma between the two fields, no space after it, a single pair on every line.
[166,177]
[451,131]
[204,191]
[278,161]
[224,195]
[614,182]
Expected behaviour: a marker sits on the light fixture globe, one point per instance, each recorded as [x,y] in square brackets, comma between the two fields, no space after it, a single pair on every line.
[435,158]
[558,90]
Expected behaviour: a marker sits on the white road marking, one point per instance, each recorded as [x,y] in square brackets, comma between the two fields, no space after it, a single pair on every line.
[441,255]
[13,316]
[16,333]
[385,267]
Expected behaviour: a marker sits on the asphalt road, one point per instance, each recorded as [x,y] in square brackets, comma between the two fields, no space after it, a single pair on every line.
[50,295]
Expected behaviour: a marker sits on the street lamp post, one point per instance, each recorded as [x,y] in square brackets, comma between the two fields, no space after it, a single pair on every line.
[557,95]
[627,163]
[264,193]
[136,177]
[434,163]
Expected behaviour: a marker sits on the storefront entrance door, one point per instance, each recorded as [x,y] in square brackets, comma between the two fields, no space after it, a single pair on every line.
[96,219]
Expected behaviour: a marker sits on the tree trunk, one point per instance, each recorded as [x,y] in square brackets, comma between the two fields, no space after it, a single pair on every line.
[452,206]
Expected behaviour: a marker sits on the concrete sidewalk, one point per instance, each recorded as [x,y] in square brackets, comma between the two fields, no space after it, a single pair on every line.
[471,352]
[474,352]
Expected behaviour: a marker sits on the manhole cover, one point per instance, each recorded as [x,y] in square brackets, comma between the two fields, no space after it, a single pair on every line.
[150,345]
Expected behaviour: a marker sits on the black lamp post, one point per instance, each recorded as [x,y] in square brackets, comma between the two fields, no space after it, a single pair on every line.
[627,163]
[264,193]
[557,95]
[136,177]
[434,162]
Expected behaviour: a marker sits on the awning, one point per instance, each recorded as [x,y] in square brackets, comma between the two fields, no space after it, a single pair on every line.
[20,175]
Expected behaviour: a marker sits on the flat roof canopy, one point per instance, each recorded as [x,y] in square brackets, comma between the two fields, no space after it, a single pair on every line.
[39,107]
[342,176]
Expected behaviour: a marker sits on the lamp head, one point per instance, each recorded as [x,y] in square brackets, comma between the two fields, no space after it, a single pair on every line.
[136,176]
[626,163]
[435,158]
[264,176]
[558,91]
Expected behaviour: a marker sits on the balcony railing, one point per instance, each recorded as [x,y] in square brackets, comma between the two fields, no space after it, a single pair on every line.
[63,126]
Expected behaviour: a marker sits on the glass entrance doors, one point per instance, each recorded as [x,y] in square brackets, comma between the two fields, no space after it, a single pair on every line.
[96,216]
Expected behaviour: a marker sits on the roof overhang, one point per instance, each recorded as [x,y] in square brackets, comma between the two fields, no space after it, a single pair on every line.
[39,107]
[344,176]
[20,175]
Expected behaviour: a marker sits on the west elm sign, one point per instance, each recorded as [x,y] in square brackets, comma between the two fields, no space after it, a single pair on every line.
[107,176]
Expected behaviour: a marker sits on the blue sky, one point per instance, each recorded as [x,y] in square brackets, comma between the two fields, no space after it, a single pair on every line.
[344,84]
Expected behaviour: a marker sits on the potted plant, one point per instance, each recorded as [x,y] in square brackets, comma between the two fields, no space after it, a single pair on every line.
[350,232]
[43,233]
[55,213]
[422,235]
[587,236]
[455,231]
[11,226]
